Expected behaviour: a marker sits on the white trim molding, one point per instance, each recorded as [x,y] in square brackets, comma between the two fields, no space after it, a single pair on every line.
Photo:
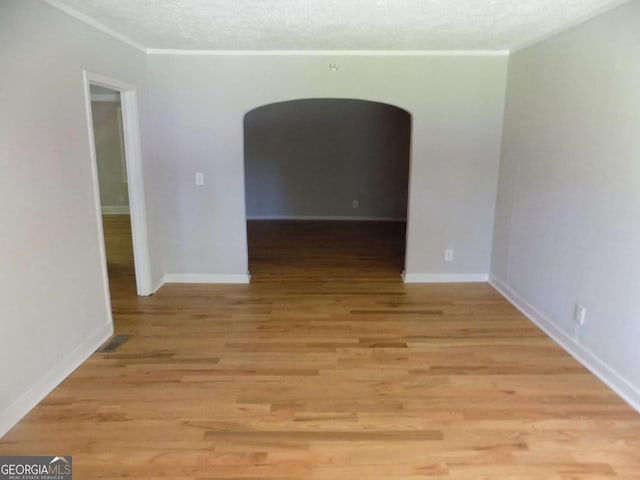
[445,277]
[333,53]
[332,218]
[54,377]
[625,389]
[115,210]
[207,278]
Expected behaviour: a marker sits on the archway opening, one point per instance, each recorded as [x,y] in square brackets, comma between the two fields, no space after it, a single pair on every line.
[326,185]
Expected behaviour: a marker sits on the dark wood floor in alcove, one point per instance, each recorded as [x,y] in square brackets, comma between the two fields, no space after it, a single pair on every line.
[327,369]
[325,249]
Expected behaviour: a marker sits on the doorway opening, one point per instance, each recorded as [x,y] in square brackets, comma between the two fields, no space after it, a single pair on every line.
[114,138]
[326,185]
[108,134]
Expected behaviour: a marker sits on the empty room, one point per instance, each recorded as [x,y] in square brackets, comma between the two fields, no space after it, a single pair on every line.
[320,240]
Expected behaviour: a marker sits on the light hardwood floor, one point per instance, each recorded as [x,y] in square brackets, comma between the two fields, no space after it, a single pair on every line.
[328,367]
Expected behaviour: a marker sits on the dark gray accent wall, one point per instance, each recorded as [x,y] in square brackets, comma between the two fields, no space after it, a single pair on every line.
[314,157]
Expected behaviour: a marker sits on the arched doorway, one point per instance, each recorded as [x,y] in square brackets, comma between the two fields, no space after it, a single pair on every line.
[326,184]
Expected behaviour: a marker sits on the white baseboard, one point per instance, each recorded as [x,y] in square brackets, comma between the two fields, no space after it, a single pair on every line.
[52,378]
[444,277]
[205,278]
[332,218]
[157,285]
[115,210]
[625,389]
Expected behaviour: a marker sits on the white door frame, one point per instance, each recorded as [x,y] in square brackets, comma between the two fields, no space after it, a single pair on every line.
[135,185]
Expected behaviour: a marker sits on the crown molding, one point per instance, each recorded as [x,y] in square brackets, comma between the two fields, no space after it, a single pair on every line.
[207,278]
[445,277]
[334,53]
[95,24]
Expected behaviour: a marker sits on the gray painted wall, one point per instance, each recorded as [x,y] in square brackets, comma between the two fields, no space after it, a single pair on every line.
[199,103]
[113,188]
[52,292]
[568,213]
[310,158]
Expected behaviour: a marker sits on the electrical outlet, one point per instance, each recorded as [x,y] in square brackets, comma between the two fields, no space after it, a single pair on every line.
[579,314]
[448,255]
[199,178]
[354,204]
[121,197]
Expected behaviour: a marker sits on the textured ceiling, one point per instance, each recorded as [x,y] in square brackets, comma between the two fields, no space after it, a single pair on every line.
[336,24]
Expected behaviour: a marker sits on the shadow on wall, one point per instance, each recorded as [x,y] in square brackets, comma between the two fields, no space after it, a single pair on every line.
[327,158]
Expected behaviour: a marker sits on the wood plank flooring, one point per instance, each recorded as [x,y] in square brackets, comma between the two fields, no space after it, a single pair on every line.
[324,251]
[328,367]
